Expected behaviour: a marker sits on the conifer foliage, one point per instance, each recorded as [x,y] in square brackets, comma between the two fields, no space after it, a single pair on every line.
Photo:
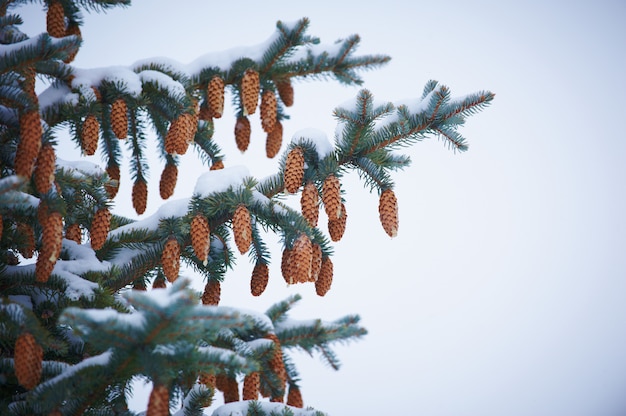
[91,300]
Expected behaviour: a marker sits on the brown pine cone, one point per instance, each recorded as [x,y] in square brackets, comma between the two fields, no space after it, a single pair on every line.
[309,203]
[268,110]
[316,262]
[200,234]
[294,170]
[44,168]
[113,184]
[89,134]
[100,226]
[242,228]
[325,278]
[277,365]
[29,145]
[167,183]
[285,91]
[52,237]
[27,361]
[388,212]
[119,118]
[55,19]
[159,282]
[251,385]
[231,390]
[337,227]
[250,87]
[74,233]
[242,133]
[294,397]
[170,259]
[331,196]
[208,380]
[27,232]
[212,293]
[274,140]
[260,277]
[159,401]
[301,256]
[217,165]
[215,97]
[140,196]
[286,268]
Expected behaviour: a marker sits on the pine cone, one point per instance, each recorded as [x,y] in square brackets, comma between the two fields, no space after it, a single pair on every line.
[331,196]
[200,234]
[27,361]
[274,140]
[72,29]
[43,268]
[140,196]
[217,165]
[325,278]
[260,277]
[180,133]
[316,262]
[170,259]
[286,268]
[277,365]
[294,170]
[242,133]
[42,212]
[167,184]
[100,226]
[113,184]
[250,87]
[231,390]
[251,384]
[212,293]
[74,233]
[159,282]
[285,91]
[55,19]
[294,397]
[44,168]
[29,145]
[336,227]
[89,135]
[140,284]
[215,97]
[119,118]
[309,203]
[301,256]
[52,237]
[268,110]
[159,402]
[242,228]
[208,380]
[25,230]
[388,211]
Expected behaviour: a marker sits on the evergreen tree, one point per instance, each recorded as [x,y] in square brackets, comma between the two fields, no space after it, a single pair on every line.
[92,301]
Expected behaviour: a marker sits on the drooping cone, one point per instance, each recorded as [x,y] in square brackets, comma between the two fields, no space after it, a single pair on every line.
[250,88]
[260,277]
[170,259]
[277,365]
[242,133]
[26,231]
[159,402]
[274,140]
[72,29]
[212,293]
[217,165]
[309,203]
[55,19]
[215,97]
[200,234]
[251,384]
[268,110]
[331,196]
[140,196]
[42,212]
[167,183]
[285,91]
[316,262]
[294,170]
[119,118]
[100,228]
[286,268]
[44,168]
[221,382]
[325,278]
[231,390]
[43,268]
[51,242]
[294,397]
[89,134]
[113,184]
[208,379]
[140,284]
[301,256]
[388,211]
[336,227]
[242,228]
[74,233]
[30,143]
[180,133]
[159,282]
[27,361]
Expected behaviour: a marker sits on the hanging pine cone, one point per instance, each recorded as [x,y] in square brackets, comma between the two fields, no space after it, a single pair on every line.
[212,293]
[167,183]
[43,268]
[180,133]
[44,168]
[159,401]
[140,196]
[250,87]
[72,29]
[242,133]
[42,212]
[89,134]
[309,203]
[294,397]
[30,143]
[208,379]
[286,268]
[316,262]
[336,227]
[27,361]
[388,211]
[140,284]
[331,196]
[119,118]
[231,390]
[294,170]
[325,278]
[74,233]
[301,256]
[242,228]
[215,97]
[251,384]
[100,226]
[268,110]
[285,91]
[26,232]
[113,184]
[277,365]
[200,234]
[52,237]
[260,277]
[55,19]
[274,140]
[159,282]
[217,165]
[170,259]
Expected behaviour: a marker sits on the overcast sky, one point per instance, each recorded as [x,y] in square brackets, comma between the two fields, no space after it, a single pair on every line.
[504,292]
